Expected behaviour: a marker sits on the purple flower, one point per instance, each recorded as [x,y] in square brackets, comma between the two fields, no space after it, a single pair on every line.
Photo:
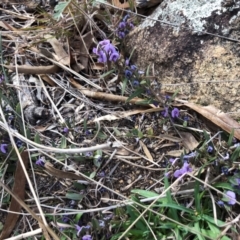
[131,25]
[135,83]
[126,17]
[220,203]
[185,168]
[88,154]
[210,149]
[122,25]
[87,237]
[165,112]
[3,148]
[175,113]
[127,62]
[1,78]
[104,42]
[128,73]
[231,197]
[106,51]
[65,130]
[40,161]
[101,223]
[121,34]
[79,229]
[102,57]
[133,67]
[101,174]
[114,57]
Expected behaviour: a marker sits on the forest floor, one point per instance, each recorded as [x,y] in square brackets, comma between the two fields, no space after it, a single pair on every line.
[90,146]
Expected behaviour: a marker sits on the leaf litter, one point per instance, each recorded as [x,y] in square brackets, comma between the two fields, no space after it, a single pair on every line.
[143,146]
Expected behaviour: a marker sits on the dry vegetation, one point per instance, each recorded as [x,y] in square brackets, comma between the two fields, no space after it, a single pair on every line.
[93,149]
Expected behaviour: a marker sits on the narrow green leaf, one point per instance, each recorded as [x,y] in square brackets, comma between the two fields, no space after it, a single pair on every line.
[230,139]
[172,211]
[37,138]
[74,196]
[124,85]
[224,185]
[137,93]
[63,144]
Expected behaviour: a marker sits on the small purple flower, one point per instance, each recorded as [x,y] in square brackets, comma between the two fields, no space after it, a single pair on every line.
[165,112]
[175,113]
[185,168]
[101,223]
[232,197]
[224,170]
[87,237]
[210,149]
[65,130]
[122,25]
[106,51]
[102,57]
[135,83]
[220,203]
[121,34]
[133,67]
[101,174]
[79,229]
[172,160]
[88,154]
[1,78]
[128,73]
[130,25]
[114,57]
[104,42]
[40,161]
[126,17]
[127,62]
[3,148]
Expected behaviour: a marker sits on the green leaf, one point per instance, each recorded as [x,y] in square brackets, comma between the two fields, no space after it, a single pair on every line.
[198,231]
[145,193]
[124,85]
[37,138]
[137,93]
[235,154]
[224,185]
[197,196]
[97,157]
[140,224]
[230,139]
[172,211]
[106,74]
[63,142]
[59,9]
[74,196]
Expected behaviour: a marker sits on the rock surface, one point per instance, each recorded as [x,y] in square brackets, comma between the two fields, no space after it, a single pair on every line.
[185,56]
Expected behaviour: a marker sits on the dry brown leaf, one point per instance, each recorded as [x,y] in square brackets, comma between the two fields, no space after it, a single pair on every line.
[61,174]
[146,151]
[189,141]
[175,153]
[218,117]
[6,26]
[119,115]
[85,43]
[169,137]
[19,191]
[27,69]
[61,55]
